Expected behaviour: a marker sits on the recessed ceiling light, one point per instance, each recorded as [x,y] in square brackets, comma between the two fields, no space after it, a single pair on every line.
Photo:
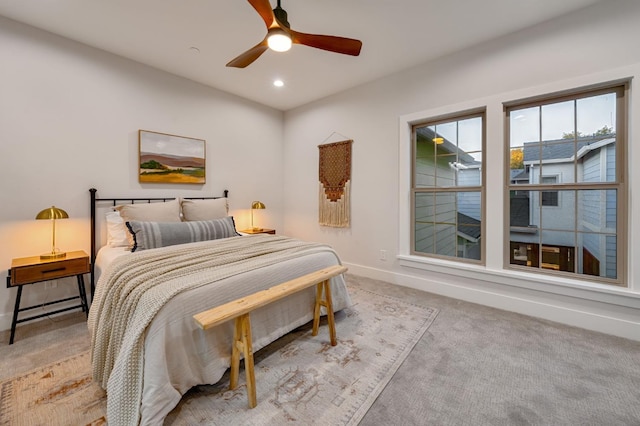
[278,83]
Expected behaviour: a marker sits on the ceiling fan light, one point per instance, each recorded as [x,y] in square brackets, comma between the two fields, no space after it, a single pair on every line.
[279,41]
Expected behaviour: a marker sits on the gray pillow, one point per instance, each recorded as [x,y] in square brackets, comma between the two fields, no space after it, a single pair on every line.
[148,235]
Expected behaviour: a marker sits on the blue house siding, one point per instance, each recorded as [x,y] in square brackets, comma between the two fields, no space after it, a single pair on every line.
[591,167]
[612,255]
[591,203]
[611,162]
[611,196]
[470,203]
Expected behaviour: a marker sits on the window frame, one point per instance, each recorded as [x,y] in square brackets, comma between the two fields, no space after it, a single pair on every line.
[432,121]
[621,89]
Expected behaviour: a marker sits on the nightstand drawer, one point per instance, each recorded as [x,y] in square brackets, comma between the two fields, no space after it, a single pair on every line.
[49,271]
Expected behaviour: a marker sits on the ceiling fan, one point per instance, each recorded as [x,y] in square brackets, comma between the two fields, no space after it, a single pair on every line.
[280,37]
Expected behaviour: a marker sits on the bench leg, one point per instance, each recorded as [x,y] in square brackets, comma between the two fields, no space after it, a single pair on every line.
[328,304]
[242,343]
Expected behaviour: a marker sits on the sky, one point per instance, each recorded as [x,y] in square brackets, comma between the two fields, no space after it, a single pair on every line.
[593,113]
[161,143]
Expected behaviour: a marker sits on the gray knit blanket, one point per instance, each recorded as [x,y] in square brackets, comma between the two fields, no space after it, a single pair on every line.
[133,289]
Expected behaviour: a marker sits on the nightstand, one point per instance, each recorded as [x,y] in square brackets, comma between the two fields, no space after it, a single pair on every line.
[261,231]
[32,270]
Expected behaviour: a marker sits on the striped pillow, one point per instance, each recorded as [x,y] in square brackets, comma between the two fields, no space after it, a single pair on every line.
[148,235]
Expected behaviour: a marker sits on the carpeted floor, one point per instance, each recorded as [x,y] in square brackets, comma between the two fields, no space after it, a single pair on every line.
[474,366]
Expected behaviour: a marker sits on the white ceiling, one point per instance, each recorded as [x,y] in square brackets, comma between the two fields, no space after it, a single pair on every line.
[396,34]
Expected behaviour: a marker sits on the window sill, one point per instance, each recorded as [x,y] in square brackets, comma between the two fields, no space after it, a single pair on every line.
[554,285]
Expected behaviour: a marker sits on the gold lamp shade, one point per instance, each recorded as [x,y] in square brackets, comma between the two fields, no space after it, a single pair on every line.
[52,213]
[256,205]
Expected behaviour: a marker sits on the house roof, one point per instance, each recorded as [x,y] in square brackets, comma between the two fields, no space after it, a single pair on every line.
[558,149]
[519,174]
[426,134]
[468,227]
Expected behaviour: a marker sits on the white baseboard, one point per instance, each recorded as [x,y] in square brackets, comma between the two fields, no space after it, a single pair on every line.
[545,306]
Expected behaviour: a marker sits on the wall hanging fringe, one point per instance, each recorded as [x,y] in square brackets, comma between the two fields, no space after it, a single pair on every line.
[335,184]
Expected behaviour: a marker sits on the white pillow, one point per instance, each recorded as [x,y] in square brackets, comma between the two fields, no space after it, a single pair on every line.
[211,209]
[117,233]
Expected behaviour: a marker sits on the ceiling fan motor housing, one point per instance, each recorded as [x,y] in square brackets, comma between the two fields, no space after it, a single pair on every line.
[281,16]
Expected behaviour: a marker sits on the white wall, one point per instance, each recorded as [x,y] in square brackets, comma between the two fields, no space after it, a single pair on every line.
[69,116]
[595,45]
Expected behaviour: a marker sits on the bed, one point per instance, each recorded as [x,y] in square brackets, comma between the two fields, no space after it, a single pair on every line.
[146,349]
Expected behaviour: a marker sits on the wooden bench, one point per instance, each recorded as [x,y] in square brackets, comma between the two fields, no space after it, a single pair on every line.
[240,310]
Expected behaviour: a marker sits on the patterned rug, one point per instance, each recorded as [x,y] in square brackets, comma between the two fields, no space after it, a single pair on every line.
[58,394]
[300,379]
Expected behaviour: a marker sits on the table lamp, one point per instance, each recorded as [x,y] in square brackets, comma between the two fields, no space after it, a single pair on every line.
[52,214]
[256,205]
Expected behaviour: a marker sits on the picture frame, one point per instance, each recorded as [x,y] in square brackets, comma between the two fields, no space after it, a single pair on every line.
[166,158]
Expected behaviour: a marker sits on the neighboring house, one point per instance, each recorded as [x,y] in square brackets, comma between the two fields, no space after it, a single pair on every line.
[573,226]
[450,219]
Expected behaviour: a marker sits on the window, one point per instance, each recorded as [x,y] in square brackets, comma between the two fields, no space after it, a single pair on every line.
[565,185]
[447,187]
[549,198]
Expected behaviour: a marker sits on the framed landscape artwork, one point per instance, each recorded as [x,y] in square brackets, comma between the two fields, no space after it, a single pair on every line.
[168,158]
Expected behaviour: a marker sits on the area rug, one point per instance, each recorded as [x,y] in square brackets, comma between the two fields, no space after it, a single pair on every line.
[61,393]
[300,379]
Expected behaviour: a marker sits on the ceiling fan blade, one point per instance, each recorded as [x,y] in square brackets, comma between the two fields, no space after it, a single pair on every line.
[347,46]
[263,7]
[249,56]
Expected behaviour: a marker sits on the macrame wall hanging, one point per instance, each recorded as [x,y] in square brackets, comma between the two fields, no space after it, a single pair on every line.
[335,184]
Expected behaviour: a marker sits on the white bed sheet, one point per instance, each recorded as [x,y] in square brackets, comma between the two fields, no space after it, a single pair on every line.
[105,257]
[179,355]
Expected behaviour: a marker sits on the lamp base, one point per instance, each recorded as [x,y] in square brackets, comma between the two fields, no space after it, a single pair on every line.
[56,255]
[256,229]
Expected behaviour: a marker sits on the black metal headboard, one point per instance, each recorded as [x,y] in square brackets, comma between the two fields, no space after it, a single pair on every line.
[123,200]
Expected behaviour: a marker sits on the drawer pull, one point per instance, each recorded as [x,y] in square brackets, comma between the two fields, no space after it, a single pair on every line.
[53,270]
